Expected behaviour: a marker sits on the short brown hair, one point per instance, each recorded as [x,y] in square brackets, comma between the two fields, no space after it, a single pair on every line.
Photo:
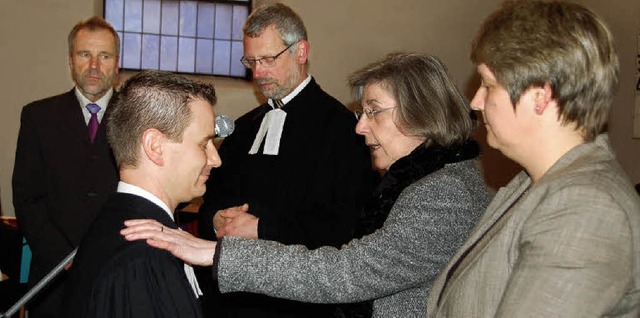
[427,101]
[151,99]
[529,43]
[93,24]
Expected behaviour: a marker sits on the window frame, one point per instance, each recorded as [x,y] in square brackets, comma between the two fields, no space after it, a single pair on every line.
[178,36]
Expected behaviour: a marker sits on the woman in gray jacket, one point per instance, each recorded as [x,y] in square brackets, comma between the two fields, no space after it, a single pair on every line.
[418,128]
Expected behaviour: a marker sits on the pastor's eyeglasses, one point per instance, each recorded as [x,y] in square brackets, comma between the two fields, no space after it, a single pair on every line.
[266,61]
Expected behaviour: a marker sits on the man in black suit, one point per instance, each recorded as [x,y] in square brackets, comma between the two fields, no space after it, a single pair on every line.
[161,129]
[64,169]
[296,162]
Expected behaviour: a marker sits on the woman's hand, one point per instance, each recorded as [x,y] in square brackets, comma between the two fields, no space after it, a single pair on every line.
[190,249]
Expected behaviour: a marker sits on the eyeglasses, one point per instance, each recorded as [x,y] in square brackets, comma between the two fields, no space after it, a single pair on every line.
[267,61]
[370,113]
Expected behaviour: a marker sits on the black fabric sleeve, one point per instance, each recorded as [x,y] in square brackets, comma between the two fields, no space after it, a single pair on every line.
[152,285]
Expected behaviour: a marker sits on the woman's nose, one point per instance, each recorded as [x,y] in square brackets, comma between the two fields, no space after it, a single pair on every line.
[477,103]
[362,128]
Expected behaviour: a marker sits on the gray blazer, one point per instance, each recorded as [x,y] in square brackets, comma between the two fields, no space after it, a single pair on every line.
[396,265]
[569,246]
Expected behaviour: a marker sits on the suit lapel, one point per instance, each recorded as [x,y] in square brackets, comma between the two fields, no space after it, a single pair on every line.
[501,204]
[71,120]
[503,200]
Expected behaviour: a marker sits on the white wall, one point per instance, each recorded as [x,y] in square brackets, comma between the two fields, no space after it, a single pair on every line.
[344,36]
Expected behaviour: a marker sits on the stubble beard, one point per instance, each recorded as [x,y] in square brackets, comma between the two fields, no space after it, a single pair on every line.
[100,89]
[279,91]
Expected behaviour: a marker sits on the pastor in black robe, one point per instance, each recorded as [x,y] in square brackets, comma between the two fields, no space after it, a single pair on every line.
[310,193]
[112,277]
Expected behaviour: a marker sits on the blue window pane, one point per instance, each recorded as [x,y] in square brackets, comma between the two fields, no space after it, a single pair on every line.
[221,57]
[186,55]
[205,19]
[240,14]
[150,52]
[188,18]
[151,20]
[189,36]
[133,15]
[113,12]
[170,17]
[168,53]
[223,21]
[131,48]
[237,69]
[204,56]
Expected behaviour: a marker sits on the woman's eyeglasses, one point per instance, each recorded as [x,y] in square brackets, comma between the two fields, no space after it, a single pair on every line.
[370,113]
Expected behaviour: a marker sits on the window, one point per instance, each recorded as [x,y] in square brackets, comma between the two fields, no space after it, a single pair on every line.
[198,37]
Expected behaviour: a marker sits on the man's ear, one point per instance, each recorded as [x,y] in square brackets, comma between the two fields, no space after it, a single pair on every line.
[302,51]
[153,142]
[543,98]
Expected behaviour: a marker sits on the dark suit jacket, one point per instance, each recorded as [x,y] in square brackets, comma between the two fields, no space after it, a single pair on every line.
[112,277]
[60,179]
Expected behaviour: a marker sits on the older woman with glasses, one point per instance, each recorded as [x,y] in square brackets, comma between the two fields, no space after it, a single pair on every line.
[418,128]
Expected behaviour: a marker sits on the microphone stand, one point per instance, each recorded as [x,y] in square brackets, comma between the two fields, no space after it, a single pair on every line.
[40,285]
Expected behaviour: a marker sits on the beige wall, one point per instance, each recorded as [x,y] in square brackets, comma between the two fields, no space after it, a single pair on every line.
[344,36]
[623,18]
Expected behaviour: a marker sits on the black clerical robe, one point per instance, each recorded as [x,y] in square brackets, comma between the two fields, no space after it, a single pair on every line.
[310,193]
[112,277]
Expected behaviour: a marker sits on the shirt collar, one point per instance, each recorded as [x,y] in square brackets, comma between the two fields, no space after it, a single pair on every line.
[293,94]
[124,187]
[102,102]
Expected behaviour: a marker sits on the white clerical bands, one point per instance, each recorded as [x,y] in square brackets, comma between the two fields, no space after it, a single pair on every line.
[271,126]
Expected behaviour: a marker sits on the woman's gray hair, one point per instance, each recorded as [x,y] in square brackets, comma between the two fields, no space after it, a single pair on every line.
[428,104]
